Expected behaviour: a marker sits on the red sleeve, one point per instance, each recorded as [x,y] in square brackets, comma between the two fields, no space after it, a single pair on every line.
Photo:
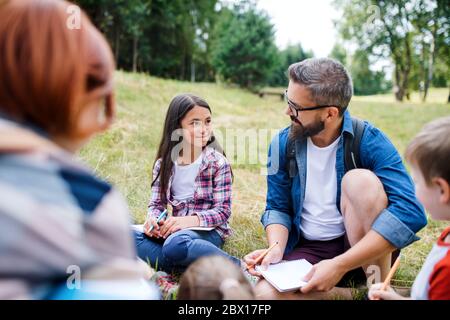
[440,280]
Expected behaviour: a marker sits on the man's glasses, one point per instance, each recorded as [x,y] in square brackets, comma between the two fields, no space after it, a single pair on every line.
[295,108]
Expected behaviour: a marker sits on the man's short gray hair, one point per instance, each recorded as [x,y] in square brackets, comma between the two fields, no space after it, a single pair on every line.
[327,80]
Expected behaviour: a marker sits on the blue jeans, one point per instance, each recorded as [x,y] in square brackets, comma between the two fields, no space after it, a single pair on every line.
[179,249]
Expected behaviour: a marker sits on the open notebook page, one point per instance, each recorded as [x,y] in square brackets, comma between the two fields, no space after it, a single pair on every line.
[286,275]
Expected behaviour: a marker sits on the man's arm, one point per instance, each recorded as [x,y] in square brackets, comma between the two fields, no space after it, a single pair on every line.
[371,247]
[404,215]
[276,233]
[276,218]
[278,201]
[327,273]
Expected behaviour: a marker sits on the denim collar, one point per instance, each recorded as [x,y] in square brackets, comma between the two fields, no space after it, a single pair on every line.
[347,126]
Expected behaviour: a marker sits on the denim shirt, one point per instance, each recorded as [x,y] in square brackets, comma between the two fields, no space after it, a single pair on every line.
[398,223]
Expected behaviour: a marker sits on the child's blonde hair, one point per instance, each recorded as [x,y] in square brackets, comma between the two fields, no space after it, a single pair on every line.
[430,150]
[214,278]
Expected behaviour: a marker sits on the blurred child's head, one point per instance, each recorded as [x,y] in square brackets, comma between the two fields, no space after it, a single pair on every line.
[214,278]
[429,156]
[55,74]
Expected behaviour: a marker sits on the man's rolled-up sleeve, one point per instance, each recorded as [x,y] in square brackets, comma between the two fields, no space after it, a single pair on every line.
[404,216]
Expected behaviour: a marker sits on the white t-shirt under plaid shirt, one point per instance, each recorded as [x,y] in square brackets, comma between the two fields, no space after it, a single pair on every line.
[183,184]
[211,200]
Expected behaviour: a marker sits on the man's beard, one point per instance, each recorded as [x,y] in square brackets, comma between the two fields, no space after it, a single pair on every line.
[300,131]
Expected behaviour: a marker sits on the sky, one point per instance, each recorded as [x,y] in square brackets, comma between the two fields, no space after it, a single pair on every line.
[309,22]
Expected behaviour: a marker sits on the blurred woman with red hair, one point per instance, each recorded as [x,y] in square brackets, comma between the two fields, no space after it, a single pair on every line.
[59,223]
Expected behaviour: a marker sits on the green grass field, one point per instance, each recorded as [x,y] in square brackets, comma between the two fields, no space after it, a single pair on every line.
[125,154]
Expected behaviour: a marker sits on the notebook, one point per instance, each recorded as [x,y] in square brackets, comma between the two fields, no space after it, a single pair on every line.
[286,275]
[140,228]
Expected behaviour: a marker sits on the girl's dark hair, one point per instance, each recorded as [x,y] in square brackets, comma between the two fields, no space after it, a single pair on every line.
[178,108]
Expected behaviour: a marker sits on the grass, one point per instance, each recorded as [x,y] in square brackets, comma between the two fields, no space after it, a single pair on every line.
[125,154]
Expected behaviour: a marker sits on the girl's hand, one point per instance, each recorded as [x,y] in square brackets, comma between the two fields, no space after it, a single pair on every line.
[174,224]
[156,228]
[375,293]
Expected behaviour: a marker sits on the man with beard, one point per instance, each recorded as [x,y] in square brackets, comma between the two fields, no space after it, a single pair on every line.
[347,224]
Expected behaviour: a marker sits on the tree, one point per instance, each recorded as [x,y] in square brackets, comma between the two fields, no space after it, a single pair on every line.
[244,50]
[168,38]
[366,81]
[339,53]
[135,14]
[388,30]
[431,21]
[106,15]
[292,54]
[393,29]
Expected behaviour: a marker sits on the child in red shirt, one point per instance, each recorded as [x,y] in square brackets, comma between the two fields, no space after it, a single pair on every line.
[429,156]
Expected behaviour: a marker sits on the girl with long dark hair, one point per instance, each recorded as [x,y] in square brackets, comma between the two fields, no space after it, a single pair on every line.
[192,176]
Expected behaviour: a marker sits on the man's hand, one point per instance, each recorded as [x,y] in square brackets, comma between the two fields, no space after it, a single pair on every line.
[323,276]
[274,256]
[327,273]
[174,224]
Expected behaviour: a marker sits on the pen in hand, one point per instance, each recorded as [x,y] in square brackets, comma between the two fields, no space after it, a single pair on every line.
[391,273]
[158,220]
[261,257]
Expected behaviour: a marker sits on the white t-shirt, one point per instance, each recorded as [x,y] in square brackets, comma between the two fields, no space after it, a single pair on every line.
[320,218]
[183,183]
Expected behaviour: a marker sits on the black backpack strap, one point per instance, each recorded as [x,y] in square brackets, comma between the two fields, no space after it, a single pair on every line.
[291,163]
[352,159]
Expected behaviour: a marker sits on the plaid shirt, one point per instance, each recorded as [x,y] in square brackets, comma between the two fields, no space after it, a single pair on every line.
[63,215]
[212,197]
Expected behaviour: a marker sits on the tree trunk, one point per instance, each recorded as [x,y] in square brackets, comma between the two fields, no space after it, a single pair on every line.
[135,53]
[448,99]
[183,59]
[408,63]
[429,76]
[422,68]
[399,92]
[117,46]
[192,71]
